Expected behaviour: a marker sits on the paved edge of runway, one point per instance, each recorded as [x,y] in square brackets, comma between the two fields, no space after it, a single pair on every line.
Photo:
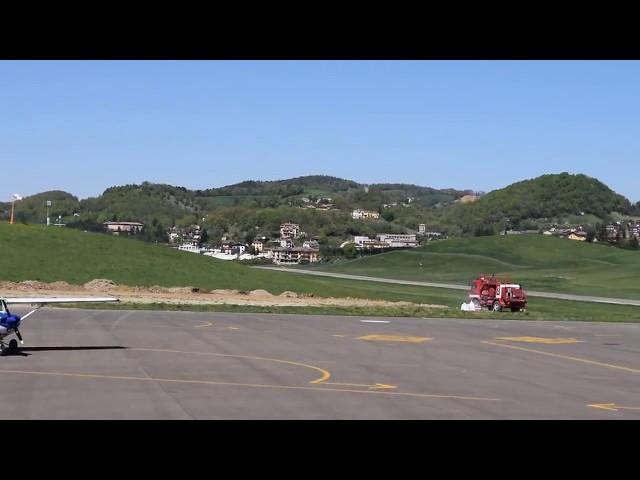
[531,293]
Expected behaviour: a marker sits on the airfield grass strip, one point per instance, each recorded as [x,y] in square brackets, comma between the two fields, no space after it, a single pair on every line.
[560,310]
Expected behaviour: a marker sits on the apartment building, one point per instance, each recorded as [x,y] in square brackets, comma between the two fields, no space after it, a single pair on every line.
[294,255]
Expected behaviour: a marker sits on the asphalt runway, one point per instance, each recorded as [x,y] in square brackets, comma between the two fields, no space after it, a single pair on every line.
[91,364]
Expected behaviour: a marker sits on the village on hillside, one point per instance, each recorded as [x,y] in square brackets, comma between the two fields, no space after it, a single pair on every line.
[291,247]
[294,247]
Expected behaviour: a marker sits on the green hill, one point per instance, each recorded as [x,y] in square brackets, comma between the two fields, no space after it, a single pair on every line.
[283,188]
[323,205]
[165,203]
[33,209]
[539,262]
[530,203]
[241,210]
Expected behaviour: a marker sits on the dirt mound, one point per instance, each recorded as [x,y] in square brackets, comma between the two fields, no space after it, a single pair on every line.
[99,284]
[32,285]
[190,295]
[222,291]
[261,293]
[153,289]
[180,290]
[289,294]
[59,286]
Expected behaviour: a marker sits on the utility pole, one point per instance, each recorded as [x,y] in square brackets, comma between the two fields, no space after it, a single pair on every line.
[14,199]
[48,205]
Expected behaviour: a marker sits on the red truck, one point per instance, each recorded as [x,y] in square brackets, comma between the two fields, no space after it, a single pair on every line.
[497,294]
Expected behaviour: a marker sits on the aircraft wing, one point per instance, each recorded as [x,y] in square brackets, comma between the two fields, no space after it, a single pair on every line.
[45,300]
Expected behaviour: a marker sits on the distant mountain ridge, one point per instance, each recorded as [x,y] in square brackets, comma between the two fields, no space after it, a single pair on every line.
[287,186]
[250,206]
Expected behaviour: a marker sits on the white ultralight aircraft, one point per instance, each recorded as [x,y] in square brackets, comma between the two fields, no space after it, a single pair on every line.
[10,322]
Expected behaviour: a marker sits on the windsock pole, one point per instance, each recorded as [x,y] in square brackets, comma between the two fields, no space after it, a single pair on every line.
[12,204]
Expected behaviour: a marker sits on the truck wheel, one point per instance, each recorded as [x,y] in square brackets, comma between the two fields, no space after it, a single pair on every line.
[476,304]
[496,306]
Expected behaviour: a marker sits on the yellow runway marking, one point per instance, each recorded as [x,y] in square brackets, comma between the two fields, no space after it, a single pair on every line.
[611,406]
[208,324]
[539,340]
[325,374]
[566,357]
[394,338]
[377,386]
[255,385]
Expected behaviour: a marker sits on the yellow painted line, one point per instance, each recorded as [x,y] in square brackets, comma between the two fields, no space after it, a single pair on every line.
[394,338]
[604,406]
[566,357]
[254,385]
[539,340]
[377,386]
[208,324]
[611,406]
[325,374]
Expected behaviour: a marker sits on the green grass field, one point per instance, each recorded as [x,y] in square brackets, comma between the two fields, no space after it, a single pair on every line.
[50,254]
[538,262]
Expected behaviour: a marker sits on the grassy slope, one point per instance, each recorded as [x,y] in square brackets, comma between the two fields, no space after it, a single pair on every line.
[539,262]
[51,254]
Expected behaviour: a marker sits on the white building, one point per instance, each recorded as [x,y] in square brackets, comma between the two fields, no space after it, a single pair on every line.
[124,227]
[360,240]
[258,246]
[422,228]
[313,244]
[286,242]
[233,248]
[191,247]
[364,214]
[294,256]
[396,240]
[289,230]
[366,243]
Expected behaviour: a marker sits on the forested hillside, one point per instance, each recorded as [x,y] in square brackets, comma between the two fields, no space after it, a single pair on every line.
[322,205]
[531,204]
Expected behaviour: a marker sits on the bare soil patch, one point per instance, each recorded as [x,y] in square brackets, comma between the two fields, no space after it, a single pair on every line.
[189,295]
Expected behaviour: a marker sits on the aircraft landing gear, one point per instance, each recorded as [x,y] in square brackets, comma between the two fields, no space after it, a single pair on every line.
[12,347]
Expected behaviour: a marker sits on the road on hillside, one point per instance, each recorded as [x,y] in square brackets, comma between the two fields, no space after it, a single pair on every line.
[531,293]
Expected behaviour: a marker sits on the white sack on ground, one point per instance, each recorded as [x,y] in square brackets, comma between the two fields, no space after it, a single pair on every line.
[468,307]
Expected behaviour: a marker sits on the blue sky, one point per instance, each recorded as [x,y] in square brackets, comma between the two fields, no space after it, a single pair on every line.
[83,126]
